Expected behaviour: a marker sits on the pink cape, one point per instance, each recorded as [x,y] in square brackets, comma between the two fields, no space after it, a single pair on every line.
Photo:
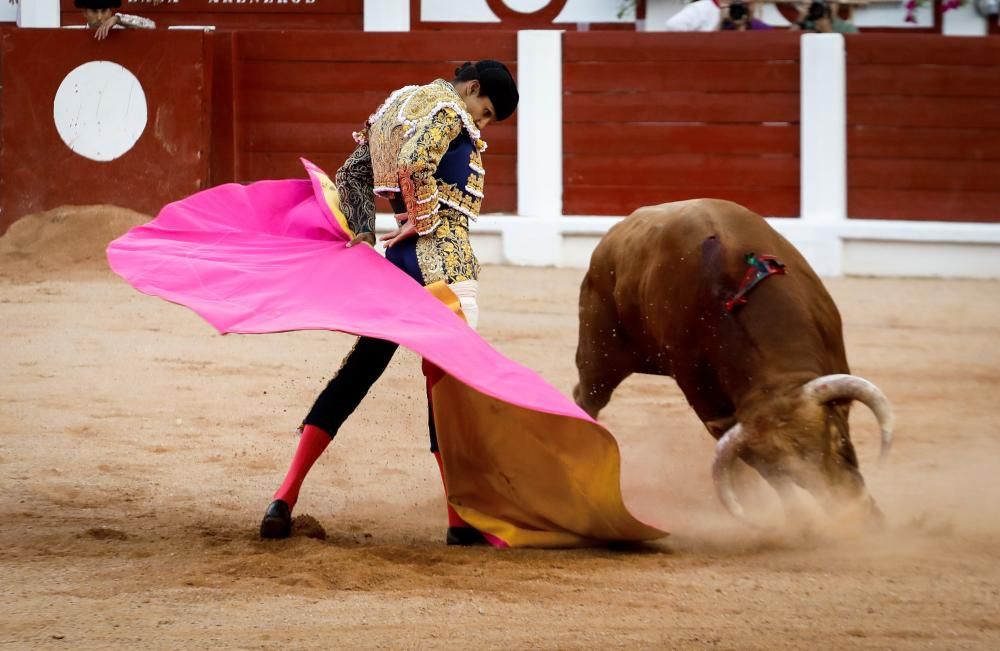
[271,257]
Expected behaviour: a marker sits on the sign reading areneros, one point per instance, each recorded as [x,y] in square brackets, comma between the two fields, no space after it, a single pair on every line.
[152,6]
[192,5]
[239,14]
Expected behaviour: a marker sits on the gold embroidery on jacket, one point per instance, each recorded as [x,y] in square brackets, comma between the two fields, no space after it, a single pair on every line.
[447,253]
[402,145]
[408,135]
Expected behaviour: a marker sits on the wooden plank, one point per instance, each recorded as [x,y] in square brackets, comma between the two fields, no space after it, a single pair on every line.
[918,143]
[346,107]
[221,144]
[501,140]
[501,171]
[286,165]
[336,136]
[744,47]
[321,15]
[898,111]
[655,170]
[924,205]
[724,76]
[364,47]
[5,219]
[499,197]
[238,22]
[957,176]
[238,7]
[624,139]
[906,80]
[292,137]
[623,200]
[279,106]
[314,76]
[665,107]
[917,49]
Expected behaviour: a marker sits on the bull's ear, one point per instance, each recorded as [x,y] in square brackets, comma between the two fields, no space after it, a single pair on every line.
[720,426]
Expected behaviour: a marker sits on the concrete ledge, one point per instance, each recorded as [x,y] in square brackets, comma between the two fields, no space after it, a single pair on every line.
[852,247]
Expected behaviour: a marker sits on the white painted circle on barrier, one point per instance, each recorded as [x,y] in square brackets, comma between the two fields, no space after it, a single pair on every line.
[527,6]
[100,110]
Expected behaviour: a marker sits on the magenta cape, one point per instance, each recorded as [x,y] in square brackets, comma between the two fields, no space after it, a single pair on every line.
[522,462]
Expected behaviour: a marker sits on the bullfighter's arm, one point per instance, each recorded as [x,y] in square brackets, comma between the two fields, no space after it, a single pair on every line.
[418,160]
[135,22]
[355,183]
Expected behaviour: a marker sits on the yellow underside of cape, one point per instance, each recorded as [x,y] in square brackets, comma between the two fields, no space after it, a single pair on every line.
[529,478]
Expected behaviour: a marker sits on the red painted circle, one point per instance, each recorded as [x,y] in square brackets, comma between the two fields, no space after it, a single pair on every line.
[510,16]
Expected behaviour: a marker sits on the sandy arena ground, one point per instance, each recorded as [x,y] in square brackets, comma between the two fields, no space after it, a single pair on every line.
[138,450]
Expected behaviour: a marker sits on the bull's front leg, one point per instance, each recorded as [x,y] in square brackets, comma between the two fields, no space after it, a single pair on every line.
[603,358]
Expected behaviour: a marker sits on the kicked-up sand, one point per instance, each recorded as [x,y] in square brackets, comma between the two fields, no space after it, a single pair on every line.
[138,449]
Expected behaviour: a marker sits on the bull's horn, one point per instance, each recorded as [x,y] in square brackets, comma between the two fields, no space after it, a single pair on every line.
[836,387]
[727,450]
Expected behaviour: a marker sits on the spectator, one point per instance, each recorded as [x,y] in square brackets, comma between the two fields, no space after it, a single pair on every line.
[739,16]
[823,17]
[713,15]
[698,16]
[101,15]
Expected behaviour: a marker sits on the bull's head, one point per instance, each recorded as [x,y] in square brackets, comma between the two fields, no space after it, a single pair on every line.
[804,439]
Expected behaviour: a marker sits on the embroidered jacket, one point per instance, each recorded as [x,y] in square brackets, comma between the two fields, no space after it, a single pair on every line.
[422,151]
[134,22]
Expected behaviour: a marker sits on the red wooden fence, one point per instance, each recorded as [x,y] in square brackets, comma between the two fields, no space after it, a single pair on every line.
[303,93]
[38,171]
[923,127]
[650,118]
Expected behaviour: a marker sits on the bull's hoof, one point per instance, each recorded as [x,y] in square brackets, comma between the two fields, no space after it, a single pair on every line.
[464,536]
[277,522]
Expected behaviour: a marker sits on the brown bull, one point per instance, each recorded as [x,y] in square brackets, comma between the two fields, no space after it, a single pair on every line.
[768,377]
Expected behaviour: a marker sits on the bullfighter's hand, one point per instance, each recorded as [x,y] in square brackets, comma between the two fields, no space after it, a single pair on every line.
[404,232]
[363,238]
[105,27]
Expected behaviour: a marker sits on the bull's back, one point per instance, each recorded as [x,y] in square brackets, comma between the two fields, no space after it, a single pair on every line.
[673,266]
[674,249]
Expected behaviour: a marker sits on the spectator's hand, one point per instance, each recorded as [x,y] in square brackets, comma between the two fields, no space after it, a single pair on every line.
[105,27]
[404,232]
[363,238]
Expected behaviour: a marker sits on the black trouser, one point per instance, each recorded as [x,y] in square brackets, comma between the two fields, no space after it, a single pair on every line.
[343,393]
[365,363]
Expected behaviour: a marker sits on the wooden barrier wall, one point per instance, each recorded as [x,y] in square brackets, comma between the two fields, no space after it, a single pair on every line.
[650,118]
[923,127]
[38,171]
[240,14]
[304,93]
[647,117]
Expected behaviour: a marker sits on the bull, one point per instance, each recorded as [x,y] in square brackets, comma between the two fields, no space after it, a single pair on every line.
[705,291]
